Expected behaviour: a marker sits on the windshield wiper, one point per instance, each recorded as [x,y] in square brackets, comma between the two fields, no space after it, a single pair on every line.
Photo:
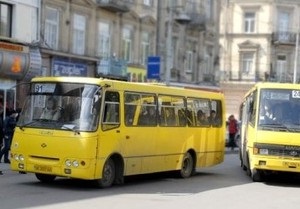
[68,127]
[27,124]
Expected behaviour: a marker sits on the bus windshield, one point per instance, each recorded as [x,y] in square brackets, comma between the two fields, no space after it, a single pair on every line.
[66,106]
[280,109]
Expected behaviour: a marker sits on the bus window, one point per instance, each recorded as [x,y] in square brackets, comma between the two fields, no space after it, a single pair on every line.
[111,111]
[215,117]
[169,107]
[140,109]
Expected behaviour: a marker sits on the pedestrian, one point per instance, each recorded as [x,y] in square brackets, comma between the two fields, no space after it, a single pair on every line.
[8,130]
[232,129]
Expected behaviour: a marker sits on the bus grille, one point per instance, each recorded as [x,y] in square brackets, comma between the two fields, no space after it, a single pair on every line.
[281,150]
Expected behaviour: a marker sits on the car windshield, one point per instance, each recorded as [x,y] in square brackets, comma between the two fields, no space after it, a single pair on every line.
[279,110]
[65,106]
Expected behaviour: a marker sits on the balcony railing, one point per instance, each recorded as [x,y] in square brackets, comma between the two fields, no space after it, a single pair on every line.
[115,5]
[286,38]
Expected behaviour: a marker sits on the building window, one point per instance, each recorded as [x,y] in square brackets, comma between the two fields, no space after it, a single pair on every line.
[247,63]
[249,21]
[281,66]
[51,27]
[6,19]
[208,9]
[189,61]
[103,40]
[34,24]
[145,47]
[79,34]
[283,25]
[127,44]
[147,2]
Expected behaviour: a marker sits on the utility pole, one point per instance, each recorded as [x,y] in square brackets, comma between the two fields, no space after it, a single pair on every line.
[169,60]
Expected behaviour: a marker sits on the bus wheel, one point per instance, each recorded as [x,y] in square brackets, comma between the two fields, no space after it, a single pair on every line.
[256,175]
[187,166]
[45,177]
[108,174]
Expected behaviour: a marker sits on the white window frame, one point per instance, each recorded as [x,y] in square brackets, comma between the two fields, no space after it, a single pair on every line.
[79,28]
[249,22]
[104,40]
[52,28]
[127,44]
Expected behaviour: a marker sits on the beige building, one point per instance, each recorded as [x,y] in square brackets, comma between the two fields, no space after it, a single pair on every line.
[258,43]
[109,37]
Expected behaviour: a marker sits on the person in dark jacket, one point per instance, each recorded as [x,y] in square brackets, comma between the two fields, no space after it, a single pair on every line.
[8,130]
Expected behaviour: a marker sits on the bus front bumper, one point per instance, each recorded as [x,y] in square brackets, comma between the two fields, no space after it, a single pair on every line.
[275,163]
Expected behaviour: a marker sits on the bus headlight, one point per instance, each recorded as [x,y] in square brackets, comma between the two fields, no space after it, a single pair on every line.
[75,163]
[19,157]
[263,151]
[68,163]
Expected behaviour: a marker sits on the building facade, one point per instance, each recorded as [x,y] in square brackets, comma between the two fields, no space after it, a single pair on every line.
[20,58]
[258,43]
[111,38]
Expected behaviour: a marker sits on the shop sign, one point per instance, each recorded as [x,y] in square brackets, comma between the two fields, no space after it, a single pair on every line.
[64,67]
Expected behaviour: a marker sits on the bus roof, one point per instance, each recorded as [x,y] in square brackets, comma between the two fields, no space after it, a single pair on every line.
[132,86]
[273,85]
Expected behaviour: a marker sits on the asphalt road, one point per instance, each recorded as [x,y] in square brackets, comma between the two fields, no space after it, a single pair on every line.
[222,186]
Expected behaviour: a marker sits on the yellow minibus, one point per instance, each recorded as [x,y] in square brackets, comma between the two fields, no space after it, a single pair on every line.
[102,130]
[270,130]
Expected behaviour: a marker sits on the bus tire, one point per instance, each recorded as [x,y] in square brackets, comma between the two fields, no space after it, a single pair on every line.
[108,174]
[45,178]
[187,166]
[256,175]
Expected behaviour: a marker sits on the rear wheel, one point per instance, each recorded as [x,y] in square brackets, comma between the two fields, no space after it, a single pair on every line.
[108,174]
[187,166]
[45,177]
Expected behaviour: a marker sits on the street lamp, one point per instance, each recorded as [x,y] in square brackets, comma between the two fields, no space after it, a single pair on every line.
[182,19]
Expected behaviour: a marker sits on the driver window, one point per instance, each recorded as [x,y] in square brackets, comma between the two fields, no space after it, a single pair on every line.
[111,116]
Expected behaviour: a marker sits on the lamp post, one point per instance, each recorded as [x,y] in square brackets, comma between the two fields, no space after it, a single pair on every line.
[182,19]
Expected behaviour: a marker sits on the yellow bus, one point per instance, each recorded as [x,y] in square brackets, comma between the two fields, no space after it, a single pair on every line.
[270,130]
[103,130]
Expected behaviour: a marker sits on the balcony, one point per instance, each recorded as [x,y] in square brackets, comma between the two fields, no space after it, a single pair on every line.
[284,38]
[197,20]
[115,5]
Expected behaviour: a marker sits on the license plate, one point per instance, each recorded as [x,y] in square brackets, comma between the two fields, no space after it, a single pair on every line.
[291,164]
[43,168]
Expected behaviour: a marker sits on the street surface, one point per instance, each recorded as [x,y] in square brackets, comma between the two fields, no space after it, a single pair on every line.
[223,186]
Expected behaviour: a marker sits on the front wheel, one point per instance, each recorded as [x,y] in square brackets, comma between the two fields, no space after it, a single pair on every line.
[108,174]
[187,166]
[45,178]
[257,175]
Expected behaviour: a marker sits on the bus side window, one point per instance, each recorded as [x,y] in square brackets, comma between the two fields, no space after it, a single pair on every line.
[111,117]
[181,117]
[129,114]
